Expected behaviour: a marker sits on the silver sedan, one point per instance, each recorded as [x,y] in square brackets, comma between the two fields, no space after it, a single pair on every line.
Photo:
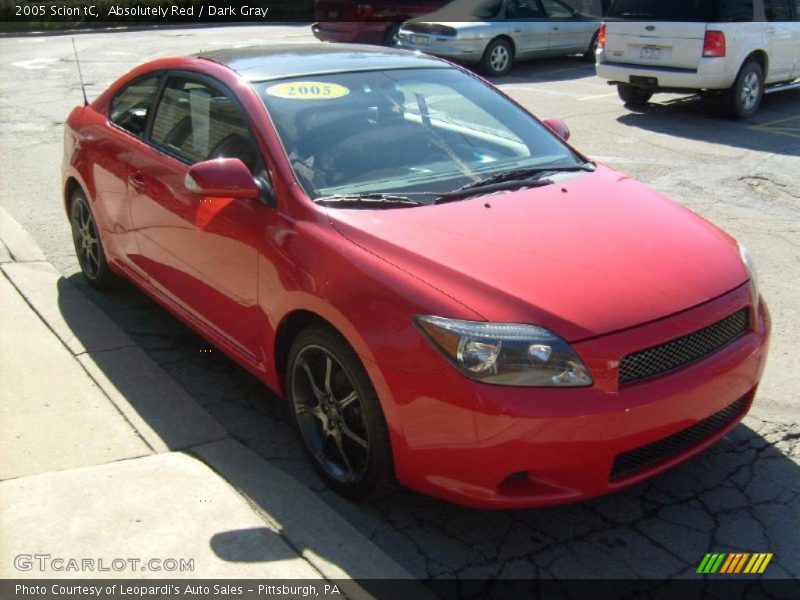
[495,33]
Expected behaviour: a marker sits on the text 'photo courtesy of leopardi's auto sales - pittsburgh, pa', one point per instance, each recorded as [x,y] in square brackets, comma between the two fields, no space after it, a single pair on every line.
[449,296]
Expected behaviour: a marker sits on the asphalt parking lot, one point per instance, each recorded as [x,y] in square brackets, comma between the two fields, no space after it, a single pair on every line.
[741,495]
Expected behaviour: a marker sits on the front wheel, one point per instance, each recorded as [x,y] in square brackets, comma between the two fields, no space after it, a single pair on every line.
[498,58]
[339,416]
[743,99]
[88,246]
[633,95]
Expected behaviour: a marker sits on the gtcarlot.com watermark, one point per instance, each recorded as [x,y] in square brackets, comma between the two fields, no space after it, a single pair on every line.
[46,563]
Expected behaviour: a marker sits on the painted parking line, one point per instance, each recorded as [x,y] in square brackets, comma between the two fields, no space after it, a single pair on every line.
[789,126]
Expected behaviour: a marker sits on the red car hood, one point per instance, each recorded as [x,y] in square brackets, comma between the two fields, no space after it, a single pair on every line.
[595,254]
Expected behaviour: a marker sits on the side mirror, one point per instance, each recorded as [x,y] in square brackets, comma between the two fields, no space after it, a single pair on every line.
[558,126]
[222,178]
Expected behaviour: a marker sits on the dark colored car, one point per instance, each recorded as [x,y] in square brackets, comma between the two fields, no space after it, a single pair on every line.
[367,21]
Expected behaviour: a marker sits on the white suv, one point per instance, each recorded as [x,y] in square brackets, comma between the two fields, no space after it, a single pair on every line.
[734,50]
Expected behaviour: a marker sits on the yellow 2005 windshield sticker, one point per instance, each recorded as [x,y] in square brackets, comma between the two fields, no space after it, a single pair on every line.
[308,90]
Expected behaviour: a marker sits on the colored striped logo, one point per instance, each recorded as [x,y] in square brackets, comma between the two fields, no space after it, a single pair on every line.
[735,563]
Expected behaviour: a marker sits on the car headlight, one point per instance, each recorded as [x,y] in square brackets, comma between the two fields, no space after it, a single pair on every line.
[506,353]
[752,273]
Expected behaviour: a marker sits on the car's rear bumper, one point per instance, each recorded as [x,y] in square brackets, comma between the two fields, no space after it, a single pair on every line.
[502,447]
[468,51]
[353,32]
[711,74]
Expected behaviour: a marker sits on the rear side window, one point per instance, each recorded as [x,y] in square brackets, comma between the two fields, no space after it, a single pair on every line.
[697,11]
[556,9]
[197,122]
[131,107]
[778,10]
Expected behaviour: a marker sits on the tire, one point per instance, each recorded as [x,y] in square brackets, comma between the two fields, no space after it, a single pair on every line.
[88,245]
[391,39]
[498,58]
[743,99]
[632,95]
[591,52]
[337,412]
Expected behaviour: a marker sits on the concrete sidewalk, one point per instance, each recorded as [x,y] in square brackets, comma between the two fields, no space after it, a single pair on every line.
[103,456]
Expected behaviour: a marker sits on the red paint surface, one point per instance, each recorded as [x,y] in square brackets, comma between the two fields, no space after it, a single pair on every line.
[602,260]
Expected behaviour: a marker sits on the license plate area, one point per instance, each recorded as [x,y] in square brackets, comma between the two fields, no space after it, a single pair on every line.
[420,40]
[650,52]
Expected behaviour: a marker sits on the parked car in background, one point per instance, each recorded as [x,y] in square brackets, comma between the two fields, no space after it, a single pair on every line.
[367,21]
[496,33]
[734,52]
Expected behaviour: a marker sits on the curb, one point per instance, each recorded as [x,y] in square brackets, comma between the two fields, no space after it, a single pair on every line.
[168,419]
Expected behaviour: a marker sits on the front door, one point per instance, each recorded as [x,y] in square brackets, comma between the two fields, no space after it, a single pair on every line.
[530,28]
[568,33]
[201,253]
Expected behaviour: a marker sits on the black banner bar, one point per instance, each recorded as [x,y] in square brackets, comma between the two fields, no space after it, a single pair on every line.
[711,588]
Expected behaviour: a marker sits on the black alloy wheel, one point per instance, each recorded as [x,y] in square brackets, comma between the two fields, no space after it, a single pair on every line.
[88,246]
[338,414]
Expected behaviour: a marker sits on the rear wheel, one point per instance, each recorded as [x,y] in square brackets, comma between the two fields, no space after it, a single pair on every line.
[633,95]
[88,246]
[743,99]
[498,58]
[339,416]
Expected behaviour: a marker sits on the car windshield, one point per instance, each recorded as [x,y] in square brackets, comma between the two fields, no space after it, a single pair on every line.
[405,132]
[702,11]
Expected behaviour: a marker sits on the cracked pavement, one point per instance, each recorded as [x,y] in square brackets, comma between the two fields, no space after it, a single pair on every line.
[743,494]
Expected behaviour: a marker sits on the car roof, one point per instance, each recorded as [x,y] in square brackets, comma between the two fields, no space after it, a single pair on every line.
[265,63]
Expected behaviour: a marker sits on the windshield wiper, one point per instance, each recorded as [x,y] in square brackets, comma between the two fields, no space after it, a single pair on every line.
[511,180]
[368,199]
[525,174]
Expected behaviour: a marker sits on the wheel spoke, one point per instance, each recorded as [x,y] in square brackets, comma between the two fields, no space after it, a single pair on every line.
[328,374]
[314,387]
[338,439]
[314,411]
[347,400]
[349,433]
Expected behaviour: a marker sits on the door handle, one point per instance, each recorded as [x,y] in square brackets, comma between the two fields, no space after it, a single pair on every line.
[770,30]
[137,182]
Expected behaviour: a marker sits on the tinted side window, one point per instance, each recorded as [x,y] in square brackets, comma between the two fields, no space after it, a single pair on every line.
[556,9]
[131,107]
[736,11]
[523,9]
[198,122]
[778,10]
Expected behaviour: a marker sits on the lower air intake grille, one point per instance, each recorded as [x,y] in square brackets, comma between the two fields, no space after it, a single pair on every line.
[645,457]
[682,351]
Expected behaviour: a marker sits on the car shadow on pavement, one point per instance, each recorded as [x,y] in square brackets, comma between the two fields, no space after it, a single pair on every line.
[742,494]
[545,70]
[774,129]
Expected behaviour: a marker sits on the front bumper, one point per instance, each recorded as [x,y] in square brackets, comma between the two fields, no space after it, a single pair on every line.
[500,447]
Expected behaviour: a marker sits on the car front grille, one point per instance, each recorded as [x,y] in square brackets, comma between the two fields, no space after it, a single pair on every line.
[631,462]
[682,351]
